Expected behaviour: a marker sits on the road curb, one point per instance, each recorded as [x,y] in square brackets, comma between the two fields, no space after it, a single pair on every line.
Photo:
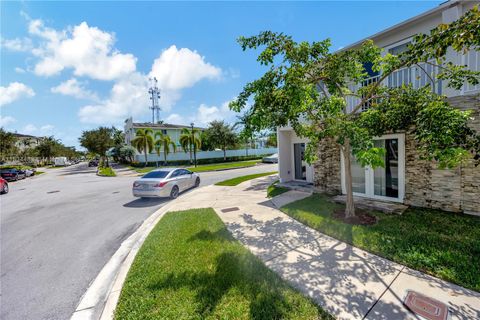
[101,297]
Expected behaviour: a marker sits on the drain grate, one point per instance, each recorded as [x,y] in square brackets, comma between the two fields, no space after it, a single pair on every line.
[230,209]
[426,307]
[54,191]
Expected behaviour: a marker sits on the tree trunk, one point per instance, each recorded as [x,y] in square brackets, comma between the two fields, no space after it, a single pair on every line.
[224,154]
[349,204]
[195,154]
[190,150]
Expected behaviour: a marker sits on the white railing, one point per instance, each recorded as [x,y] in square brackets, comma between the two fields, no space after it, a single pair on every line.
[418,76]
[472,60]
[353,101]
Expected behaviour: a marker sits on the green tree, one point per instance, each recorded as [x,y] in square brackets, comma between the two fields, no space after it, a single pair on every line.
[191,142]
[164,142]
[246,135]
[221,136]
[308,87]
[127,153]
[7,144]
[98,141]
[143,142]
[48,148]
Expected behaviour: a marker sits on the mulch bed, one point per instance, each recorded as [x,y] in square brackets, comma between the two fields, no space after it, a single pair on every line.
[361,217]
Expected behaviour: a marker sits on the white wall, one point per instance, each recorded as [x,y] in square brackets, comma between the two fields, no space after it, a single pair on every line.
[286,139]
[180,155]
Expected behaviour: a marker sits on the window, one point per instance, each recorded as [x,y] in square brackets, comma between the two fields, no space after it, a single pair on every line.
[155,174]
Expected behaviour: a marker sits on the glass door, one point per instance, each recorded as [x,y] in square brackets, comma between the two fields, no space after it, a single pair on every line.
[299,161]
[385,180]
[384,183]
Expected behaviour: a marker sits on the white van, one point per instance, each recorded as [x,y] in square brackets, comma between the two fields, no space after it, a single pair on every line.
[61,161]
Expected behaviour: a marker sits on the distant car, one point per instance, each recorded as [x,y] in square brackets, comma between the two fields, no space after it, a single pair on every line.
[93,163]
[271,159]
[3,186]
[12,174]
[30,172]
[168,182]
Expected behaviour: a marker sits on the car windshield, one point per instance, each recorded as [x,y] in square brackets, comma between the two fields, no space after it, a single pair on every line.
[156,174]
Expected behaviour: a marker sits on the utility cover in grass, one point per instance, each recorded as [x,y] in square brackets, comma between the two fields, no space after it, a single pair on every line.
[190,267]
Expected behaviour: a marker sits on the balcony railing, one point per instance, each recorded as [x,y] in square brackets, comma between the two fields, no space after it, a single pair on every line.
[418,76]
[472,60]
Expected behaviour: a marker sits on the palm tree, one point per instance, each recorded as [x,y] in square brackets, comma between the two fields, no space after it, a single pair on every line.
[164,142]
[190,141]
[143,142]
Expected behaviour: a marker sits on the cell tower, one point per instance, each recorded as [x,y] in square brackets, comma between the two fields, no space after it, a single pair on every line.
[154,93]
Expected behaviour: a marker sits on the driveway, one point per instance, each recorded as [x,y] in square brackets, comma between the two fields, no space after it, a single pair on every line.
[60,228]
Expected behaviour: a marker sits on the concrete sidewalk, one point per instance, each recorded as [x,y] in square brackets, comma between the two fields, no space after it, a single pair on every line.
[348,282]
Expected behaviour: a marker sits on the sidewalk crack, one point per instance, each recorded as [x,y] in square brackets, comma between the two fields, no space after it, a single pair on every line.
[383,293]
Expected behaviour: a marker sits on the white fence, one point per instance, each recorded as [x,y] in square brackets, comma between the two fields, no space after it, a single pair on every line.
[180,155]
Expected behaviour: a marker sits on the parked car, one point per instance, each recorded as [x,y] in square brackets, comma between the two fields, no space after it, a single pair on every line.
[12,174]
[30,172]
[271,159]
[168,182]
[93,163]
[3,186]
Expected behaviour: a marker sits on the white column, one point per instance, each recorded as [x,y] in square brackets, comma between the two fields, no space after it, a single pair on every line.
[284,155]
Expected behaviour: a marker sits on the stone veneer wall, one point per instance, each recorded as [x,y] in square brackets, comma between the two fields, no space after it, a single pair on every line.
[455,190]
[427,186]
[327,169]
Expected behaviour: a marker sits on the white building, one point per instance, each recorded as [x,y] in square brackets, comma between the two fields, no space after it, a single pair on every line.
[404,179]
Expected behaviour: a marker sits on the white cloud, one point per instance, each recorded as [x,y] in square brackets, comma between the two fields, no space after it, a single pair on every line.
[204,115]
[128,97]
[41,131]
[5,121]
[20,70]
[14,91]
[17,44]
[87,50]
[74,88]
[29,129]
[177,69]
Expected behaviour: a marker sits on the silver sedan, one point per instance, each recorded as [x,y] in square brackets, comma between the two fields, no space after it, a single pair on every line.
[168,182]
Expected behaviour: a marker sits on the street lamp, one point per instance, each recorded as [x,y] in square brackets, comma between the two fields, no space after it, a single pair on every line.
[194,146]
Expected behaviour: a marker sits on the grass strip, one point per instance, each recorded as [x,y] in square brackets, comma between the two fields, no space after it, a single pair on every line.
[443,244]
[190,267]
[206,167]
[238,180]
[106,172]
[273,190]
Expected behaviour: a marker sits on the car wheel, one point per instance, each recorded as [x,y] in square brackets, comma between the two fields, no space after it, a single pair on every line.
[174,192]
[197,182]
[5,188]
[16,178]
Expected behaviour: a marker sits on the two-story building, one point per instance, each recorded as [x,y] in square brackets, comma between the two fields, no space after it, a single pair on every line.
[405,178]
[174,131]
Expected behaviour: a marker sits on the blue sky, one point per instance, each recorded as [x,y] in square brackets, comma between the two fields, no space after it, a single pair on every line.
[72,66]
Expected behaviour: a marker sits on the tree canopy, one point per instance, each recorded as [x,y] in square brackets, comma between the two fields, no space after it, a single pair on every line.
[321,93]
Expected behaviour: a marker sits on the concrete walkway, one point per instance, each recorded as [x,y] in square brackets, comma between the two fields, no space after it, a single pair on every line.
[348,282]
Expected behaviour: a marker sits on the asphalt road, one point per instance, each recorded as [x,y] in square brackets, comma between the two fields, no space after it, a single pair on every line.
[59,229]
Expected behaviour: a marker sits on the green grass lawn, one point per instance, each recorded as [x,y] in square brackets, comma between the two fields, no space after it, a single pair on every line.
[443,244]
[207,167]
[106,171]
[273,190]
[238,180]
[190,267]
[39,172]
